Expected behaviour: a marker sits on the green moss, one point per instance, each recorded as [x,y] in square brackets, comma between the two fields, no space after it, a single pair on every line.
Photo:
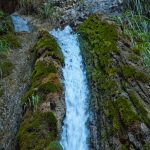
[120,111]
[42,69]
[131,73]
[27,95]
[54,146]
[49,87]
[140,108]
[112,113]
[47,43]
[12,40]
[8,39]
[100,43]
[137,103]
[127,115]
[6,68]
[37,131]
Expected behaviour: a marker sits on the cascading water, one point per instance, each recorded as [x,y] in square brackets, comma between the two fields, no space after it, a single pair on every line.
[75,133]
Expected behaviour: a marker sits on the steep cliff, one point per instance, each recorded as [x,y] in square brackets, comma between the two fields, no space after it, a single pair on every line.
[119,83]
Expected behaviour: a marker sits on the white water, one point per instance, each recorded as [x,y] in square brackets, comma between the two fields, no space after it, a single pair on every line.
[75,133]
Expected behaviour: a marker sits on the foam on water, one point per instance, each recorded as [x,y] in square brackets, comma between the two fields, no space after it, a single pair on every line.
[75,133]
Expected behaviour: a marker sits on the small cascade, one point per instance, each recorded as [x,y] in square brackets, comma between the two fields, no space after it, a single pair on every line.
[75,133]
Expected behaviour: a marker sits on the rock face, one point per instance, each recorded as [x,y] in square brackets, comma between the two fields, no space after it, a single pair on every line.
[120,87]
[13,83]
[8,5]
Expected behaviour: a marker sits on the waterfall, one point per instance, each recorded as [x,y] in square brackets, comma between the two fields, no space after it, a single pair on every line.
[74,133]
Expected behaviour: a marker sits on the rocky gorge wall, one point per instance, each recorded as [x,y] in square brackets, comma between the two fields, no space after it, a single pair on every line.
[120,86]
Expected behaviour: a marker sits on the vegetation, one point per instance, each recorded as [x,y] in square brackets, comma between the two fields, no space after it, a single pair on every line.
[120,109]
[44,8]
[5,68]
[96,32]
[98,46]
[140,108]
[7,40]
[136,27]
[48,44]
[37,131]
[110,77]
[47,10]
[131,73]
[54,146]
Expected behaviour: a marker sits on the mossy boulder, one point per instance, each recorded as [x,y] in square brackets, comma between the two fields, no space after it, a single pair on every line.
[37,131]
[48,44]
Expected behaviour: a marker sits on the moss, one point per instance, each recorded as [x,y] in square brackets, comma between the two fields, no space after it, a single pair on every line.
[48,43]
[54,146]
[140,108]
[131,73]
[100,43]
[12,40]
[112,113]
[37,131]
[120,111]
[27,95]
[42,69]
[49,87]
[137,103]
[128,116]
[6,68]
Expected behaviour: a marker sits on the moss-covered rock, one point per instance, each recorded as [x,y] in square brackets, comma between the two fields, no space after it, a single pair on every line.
[37,131]
[111,73]
[100,43]
[39,128]
[47,44]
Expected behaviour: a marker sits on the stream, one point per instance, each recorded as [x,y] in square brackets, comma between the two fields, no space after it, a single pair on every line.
[74,131]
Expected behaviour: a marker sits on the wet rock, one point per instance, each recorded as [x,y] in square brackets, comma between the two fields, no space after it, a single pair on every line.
[20,24]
